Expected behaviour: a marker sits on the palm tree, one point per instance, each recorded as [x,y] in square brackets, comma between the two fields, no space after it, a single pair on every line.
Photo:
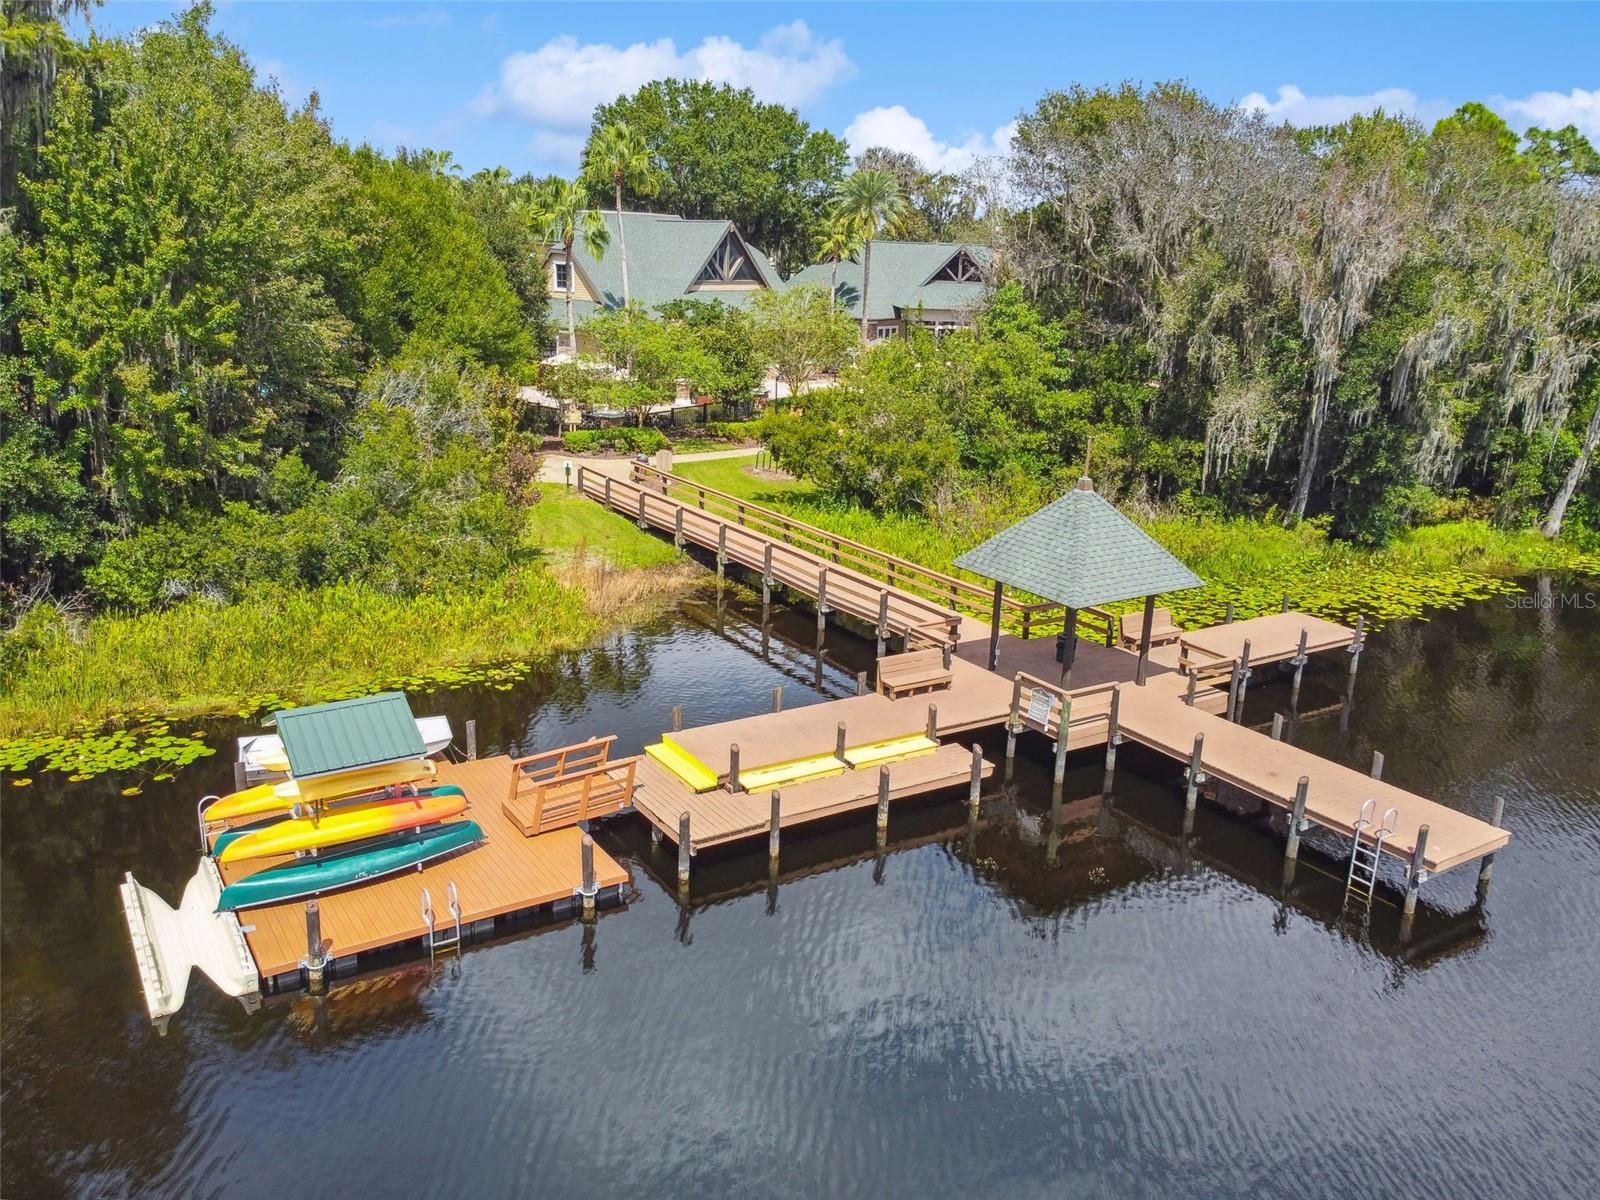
[873,202]
[616,155]
[559,209]
[839,240]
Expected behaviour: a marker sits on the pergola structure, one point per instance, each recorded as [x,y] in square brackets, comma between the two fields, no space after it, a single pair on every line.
[1078,551]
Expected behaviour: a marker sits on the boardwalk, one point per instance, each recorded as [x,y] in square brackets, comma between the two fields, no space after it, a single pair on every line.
[506,873]
[1156,716]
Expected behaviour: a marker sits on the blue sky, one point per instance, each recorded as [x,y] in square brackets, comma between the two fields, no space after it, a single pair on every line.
[514,84]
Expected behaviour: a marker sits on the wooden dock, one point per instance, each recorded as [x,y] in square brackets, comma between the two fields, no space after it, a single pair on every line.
[506,873]
[1275,637]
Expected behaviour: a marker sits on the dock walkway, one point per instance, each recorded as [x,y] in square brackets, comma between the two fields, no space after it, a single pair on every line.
[508,872]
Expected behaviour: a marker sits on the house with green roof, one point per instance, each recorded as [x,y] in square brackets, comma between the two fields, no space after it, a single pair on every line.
[937,285]
[669,258]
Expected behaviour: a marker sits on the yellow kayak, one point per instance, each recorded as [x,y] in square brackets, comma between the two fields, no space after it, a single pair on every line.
[267,798]
[340,825]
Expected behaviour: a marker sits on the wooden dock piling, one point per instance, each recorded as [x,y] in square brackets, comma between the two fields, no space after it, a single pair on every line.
[777,698]
[1063,733]
[1196,775]
[315,962]
[733,767]
[861,683]
[677,529]
[1417,873]
[1486,864]
[1244,681]
[588,891]
[683,850]
[677,718]
[1277,727]
[975,783]
[1013,724]
[933,722]
[774,825]
[1377,765]
[883,800]
[722,550]
[472,740]
[839,744]
[1297,816]
[1299,660]
[1113,739]
[822,599]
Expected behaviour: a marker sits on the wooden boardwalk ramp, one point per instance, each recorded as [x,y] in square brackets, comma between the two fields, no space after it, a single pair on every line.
[1156,716]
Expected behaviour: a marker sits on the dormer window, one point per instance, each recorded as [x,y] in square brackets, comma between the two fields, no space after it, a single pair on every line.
[961,268]
[730,263]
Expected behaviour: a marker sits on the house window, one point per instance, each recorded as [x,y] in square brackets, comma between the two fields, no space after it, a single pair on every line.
[877,332]
[561,272]
[730,262]
[961,268]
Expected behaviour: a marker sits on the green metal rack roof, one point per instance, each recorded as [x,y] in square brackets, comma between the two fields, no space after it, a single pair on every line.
[324,739]
[1079,551]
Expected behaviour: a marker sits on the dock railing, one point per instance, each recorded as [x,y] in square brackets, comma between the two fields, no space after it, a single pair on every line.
[1037,703]
[1026,619]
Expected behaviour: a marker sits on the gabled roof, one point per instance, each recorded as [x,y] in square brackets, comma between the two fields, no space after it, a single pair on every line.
[1079,551]
[902,278]
[323,739]
[665,255]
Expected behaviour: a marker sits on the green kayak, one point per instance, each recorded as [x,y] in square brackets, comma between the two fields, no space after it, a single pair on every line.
[353,864]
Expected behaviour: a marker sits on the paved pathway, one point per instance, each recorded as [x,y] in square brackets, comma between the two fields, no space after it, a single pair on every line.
[619,467]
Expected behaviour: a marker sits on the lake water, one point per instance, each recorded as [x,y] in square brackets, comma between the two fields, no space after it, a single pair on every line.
[1080,1004]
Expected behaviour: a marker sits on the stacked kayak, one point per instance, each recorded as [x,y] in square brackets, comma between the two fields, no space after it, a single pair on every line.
[355,863]
[266,799]
[329,826]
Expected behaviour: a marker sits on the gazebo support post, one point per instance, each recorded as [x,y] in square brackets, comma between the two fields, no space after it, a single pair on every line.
[1069,645]
[994,625]
[1144,640]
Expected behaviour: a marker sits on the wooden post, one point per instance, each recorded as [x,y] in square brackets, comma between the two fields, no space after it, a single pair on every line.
[1417,872]
[994,625]
[975,783]
[933,722]
[1063,730]
[580,479]
[861,683]
[949,651]
[608,491]
[1196,774]
[677,528]
[677,717]
[1377,764]
[1299,661]
[588,890]
[1144,640]
[1233,690]
[722,550]
[733,767]
[1285,607]
[766,575]
[777,698]
[1486,866]
[1228,616]
[883,620]
[883,799]
[239,780]
[316,963]
[1112,738]
[1188,695]
[838,743]
[472,739]
[1244,680]
[1277,727]
[1297,817]
[822,599]
[1011,723]
[1355,651]
[772,828]
[641,521]
[1069,645]
[683,850]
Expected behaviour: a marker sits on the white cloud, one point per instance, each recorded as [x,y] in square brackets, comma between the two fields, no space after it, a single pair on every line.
[427,18]
[1553,110]
[559,84]
[898,129]
[1295,107]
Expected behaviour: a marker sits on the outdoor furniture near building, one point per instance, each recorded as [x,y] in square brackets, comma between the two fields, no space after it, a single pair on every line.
[1162,628]
[916,671]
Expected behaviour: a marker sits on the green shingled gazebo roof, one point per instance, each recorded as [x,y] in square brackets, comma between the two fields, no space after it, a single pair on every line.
[1079,551]
[324,739]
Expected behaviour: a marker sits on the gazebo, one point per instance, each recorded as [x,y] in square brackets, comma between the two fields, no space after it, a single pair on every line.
[1080,552]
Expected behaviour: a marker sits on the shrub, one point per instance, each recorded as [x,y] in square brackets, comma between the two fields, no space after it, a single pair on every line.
[625,439]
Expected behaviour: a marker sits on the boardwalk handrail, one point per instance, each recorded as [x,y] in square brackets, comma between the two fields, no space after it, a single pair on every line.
[1028,684]
[927,582]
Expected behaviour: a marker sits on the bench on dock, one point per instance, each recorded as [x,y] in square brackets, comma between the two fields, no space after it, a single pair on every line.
[1162,628]
[561,787]
[912,672]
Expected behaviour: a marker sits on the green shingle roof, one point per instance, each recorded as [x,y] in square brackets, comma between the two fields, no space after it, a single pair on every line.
[665,254]
[900,273]
[1079,551]
[323,739]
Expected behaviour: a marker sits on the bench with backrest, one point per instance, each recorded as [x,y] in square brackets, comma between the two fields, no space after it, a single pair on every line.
[561,787]
[912,672]
[1162,629]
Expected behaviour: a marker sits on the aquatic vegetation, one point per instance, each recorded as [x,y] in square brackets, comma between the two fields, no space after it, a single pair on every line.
[85,753]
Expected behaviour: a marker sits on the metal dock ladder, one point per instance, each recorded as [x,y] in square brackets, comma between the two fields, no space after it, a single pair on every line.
[436,941]
[1366,849]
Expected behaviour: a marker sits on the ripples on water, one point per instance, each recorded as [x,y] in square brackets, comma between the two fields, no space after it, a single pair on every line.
[1110,1011]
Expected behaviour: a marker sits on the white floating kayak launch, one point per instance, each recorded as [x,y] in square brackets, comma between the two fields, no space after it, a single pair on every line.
[168,943]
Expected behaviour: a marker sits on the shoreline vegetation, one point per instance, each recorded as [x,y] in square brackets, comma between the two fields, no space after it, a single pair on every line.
[1252,562]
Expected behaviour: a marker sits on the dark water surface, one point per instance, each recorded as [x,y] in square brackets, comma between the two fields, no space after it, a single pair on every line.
[1080,1005]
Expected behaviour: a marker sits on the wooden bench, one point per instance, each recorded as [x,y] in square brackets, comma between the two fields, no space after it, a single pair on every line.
[1162,629]
[916,671]
[561,787]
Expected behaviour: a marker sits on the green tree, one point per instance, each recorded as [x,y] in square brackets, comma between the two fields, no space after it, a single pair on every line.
[839,240]
[560,213]
[871,202]
[648,358]
[496,201]
[726,155]
[728,336]
[799,331]
[617,156]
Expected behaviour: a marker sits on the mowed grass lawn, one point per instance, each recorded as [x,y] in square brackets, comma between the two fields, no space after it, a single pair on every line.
[562,523]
